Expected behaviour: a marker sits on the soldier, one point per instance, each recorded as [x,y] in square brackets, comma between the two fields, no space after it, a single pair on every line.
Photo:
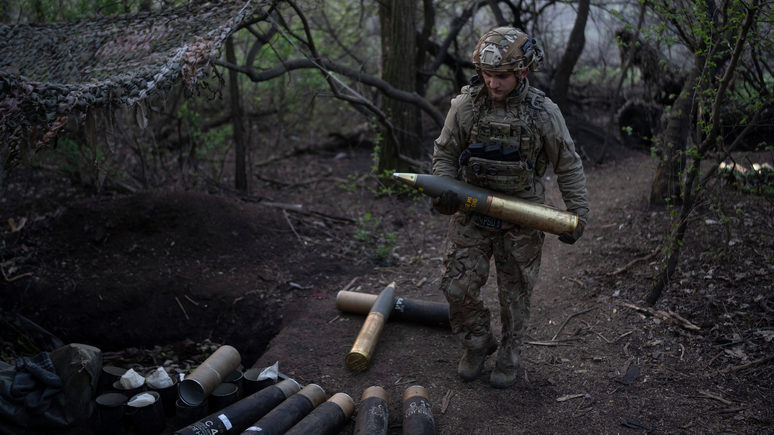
[500,133]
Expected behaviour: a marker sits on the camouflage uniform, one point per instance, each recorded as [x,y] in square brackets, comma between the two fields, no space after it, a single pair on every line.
[533,123]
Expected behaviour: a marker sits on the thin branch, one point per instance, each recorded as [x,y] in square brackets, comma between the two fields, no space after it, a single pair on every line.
[367,79]
[729,73]
[632,263]
[287,219]
[181,308]
[746,366]
[568,319]
[664,315]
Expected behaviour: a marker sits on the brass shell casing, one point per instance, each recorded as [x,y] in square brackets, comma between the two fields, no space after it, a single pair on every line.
[537,216]
[479,200]
[359,357]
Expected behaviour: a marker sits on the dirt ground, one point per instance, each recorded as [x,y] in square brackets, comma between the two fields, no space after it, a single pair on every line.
[149,277]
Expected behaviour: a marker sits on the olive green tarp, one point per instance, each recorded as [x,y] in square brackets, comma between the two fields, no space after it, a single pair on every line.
[52,74]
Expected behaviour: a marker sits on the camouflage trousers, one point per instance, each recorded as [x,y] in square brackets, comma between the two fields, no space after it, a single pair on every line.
[469,249]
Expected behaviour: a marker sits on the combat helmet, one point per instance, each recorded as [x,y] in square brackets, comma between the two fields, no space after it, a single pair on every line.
[507,49]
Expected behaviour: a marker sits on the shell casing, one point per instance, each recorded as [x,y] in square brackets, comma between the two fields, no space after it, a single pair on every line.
[292,410]
[476,199]
[538,216]
[239,415]
[373,413]
[359,357]
[417,412]
[326,419]
[414,310]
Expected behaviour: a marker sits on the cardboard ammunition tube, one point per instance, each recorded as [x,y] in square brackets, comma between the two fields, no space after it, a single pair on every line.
[373,414]
[109,410]
[289,412]
[412,310]
[359,357]
[240,415]
[222,396]
[328,418]
[200,383]
[417,412]
[355,302]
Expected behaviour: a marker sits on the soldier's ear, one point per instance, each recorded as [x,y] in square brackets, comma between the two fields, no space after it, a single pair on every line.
[523,74]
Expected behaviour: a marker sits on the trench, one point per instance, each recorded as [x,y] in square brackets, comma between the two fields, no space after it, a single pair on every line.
[39,316]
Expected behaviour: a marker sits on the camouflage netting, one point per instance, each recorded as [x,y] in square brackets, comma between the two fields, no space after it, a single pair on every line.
[55,73]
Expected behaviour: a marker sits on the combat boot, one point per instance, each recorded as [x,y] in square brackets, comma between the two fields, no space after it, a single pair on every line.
[506,368]
[472,363]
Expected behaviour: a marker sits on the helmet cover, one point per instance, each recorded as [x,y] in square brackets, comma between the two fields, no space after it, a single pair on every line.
[507,49]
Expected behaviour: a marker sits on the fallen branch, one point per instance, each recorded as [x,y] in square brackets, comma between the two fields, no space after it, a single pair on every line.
[547,343]
[632,263]
[283,206]
[707,395]
[299,208]
[568,319]
[446,400]
[346,287]
[669,316]
[570,397]
[741,367]
[14,278]
[181,308]
[290,224]
[191,300]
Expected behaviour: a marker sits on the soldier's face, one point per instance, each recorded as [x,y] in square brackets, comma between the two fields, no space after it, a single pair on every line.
[501,83]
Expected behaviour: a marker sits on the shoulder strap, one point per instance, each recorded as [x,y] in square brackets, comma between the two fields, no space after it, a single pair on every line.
[478,97]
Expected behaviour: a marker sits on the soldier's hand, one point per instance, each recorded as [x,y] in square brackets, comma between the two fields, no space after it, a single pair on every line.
[447,203]
[572,237]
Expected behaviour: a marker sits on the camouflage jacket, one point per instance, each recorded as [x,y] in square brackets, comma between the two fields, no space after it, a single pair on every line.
[555,146]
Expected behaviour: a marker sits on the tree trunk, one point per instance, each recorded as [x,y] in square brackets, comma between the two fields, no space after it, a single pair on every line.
[672,144]
[40,13]
[570,57]
[240,170]
[397,19]
[423,42]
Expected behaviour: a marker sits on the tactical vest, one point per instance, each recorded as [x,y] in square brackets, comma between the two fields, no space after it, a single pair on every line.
[504,152]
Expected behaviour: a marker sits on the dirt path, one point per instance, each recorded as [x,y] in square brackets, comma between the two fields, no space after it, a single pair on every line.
[569,384]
